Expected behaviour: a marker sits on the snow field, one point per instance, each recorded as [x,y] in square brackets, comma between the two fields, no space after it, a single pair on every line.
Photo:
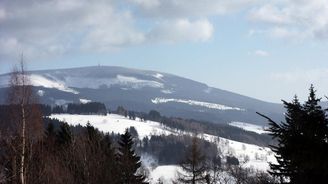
[114,123]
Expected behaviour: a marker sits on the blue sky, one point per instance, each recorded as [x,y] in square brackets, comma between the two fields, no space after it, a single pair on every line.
[268,49]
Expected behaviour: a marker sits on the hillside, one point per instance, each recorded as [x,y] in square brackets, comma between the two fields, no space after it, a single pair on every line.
[251,156]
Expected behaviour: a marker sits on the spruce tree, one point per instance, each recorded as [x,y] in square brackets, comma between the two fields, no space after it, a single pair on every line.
[64,135]
[314,145]
[110,169]
[128,161]
[302,149]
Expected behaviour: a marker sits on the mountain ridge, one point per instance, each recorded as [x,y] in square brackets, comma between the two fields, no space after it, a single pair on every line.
[136,89]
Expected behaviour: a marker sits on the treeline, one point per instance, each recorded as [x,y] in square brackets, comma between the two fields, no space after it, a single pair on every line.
[89,108]
[221,130]
[170,149]
[191,125]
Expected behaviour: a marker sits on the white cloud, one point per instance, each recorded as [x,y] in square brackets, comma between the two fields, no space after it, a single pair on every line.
[318,76]
[50,28]
[55,27]
[261,53]
[2,14]
[108,30]
[42,28]
[182,30]
[189,8]
[270,14]
[8,45]
[147,4]
[293,19]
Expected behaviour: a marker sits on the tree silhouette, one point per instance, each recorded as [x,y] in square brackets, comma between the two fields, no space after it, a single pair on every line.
[24,129]
[194,165]
[128,161]
[302,147]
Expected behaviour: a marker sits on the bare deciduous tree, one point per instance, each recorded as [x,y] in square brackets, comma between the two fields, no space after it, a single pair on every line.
[25,121]
[194,165]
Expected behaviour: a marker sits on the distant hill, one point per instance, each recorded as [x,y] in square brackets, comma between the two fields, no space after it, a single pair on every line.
[143,90]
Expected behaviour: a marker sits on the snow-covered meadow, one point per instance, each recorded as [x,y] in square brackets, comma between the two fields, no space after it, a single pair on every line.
[249,127]
[251,156]
[196,103]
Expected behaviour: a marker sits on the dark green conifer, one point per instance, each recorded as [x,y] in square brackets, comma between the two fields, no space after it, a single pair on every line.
[302,149]
[128,161]
[64,135]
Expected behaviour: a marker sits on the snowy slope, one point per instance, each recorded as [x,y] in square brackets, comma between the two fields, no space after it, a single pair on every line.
[165,173]
[251,156]
[50,81]
[121,80]
[114,123]
[41,81]
[196,103]
[168,173]
[249,127]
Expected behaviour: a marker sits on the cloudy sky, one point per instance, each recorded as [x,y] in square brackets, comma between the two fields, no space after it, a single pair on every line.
[267,49]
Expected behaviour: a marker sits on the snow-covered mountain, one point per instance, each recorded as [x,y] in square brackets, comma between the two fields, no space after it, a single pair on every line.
[142,90]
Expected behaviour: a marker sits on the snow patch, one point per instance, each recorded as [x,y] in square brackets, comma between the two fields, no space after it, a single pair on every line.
[196,103]
[249,155]
[121,80]
[158,76]
[166,91]
[165,173]
[149,161]
[84,101]
[137,83]
[114,123]
[249,127]
[62,102]
[40,92]
[38,80]
[168,173]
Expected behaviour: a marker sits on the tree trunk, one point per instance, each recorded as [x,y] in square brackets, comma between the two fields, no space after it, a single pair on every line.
[14,167]
[22,164]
